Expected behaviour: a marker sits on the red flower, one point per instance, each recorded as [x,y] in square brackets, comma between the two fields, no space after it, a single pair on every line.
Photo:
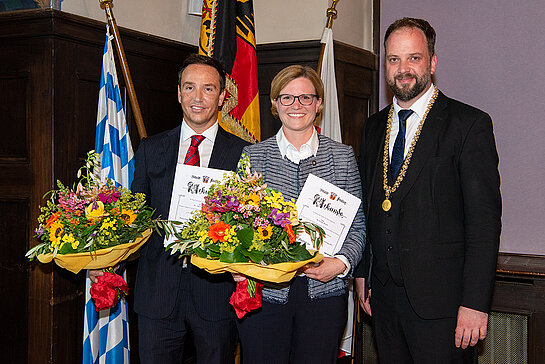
[217,231]
[52,219]
[241,300]
[291,235]
[108,290]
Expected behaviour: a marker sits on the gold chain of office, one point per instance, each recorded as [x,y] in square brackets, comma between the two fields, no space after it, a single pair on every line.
[386,204]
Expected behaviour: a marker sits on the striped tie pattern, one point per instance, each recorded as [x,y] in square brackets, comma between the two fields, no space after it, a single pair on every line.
[192,157]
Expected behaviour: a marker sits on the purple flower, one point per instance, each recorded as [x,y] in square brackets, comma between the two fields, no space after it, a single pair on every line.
[232,202]
[279,218]
[217,201]
[40,231]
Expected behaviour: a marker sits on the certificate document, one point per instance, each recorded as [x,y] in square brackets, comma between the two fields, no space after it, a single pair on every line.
[331,208]
[191,185]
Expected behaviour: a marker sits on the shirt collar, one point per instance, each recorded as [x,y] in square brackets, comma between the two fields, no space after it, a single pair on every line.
[419,107]
[209,134]
[288,150]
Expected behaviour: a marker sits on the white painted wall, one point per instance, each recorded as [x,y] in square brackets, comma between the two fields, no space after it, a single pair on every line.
[276,21]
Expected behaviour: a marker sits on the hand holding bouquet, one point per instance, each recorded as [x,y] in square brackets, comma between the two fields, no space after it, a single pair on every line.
[244,227]
[92,226]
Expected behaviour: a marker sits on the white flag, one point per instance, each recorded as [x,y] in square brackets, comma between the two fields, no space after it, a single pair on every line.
[331,122]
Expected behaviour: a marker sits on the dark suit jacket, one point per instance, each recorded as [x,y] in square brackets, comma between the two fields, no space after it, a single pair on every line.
[158,277]
[446,212]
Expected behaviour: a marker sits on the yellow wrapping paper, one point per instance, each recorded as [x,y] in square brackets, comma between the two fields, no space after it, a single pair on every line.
[104,258]
[276,273]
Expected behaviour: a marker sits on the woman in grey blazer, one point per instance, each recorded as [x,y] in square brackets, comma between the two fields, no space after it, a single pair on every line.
[303,321]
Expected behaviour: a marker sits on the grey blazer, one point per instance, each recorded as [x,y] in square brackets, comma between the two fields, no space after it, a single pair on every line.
[335,163]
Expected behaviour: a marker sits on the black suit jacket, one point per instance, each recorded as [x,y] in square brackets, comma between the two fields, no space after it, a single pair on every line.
[446,212]
[158,277]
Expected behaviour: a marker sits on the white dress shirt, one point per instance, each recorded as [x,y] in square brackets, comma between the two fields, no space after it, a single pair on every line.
[288,150]
[307,150]
[419,109]
[206,146]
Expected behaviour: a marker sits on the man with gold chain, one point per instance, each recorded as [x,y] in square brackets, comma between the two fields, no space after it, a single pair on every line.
[430,174]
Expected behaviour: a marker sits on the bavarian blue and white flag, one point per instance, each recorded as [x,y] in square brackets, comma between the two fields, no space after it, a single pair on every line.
[106,333]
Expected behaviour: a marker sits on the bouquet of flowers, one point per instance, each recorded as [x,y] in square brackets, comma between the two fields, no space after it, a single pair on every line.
[93,226]
[245,227]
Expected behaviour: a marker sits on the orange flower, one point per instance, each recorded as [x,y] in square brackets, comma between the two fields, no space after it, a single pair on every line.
[218,231]
[291,235]
[52,219]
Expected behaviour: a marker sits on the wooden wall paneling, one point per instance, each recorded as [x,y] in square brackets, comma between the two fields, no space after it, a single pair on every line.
[54,59]
[14,281]
[271,58]
[356,84]
[25,121]
[357,90]
[60,54]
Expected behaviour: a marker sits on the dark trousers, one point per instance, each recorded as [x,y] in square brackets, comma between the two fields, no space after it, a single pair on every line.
[298,332]
[162,341]
[403,337]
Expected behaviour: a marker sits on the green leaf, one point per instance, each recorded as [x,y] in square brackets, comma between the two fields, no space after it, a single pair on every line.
[213,254]
[199,252]
[235,257]
[255,256]
[245,236]
[214,248]
[299,253]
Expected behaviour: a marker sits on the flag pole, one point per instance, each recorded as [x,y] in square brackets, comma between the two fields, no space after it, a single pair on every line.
[331,14]
[107,5]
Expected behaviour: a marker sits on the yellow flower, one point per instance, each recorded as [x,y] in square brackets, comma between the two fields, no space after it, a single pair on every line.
[265,233]
[94,210]
[69,239]
[128,216]
[253,199]
[55,232]
[107,224]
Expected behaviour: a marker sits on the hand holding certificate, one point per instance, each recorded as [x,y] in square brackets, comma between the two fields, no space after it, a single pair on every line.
[330,207]
[191,186]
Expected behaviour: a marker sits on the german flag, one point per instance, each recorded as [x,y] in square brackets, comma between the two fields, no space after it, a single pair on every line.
[228,35]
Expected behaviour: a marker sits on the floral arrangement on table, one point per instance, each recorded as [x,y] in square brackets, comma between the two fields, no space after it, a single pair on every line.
[247,228]
[93,225]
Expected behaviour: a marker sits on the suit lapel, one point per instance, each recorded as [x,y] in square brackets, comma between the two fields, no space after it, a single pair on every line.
[375,150]
[171,145]
[427,143]
[218,156]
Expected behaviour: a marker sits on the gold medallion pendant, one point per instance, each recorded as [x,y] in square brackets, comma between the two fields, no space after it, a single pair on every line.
[389,189]
[386,205]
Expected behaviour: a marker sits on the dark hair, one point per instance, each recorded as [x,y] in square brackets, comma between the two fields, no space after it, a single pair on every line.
[205,60]
[421,24]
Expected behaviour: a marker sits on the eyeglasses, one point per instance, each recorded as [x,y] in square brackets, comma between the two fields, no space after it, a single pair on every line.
[304,99]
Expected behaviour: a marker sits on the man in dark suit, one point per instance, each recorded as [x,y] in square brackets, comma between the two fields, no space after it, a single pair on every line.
[171,299]
[430,173]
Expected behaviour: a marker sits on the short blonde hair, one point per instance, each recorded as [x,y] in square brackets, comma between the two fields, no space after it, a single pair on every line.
[291,73]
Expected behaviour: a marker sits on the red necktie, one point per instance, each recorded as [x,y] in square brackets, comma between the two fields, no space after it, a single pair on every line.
[192,157]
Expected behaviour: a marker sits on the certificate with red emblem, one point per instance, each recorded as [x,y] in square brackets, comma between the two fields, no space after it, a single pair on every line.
[331,208]
[191,185]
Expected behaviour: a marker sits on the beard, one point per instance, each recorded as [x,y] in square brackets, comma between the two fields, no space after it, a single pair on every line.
[407,92]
